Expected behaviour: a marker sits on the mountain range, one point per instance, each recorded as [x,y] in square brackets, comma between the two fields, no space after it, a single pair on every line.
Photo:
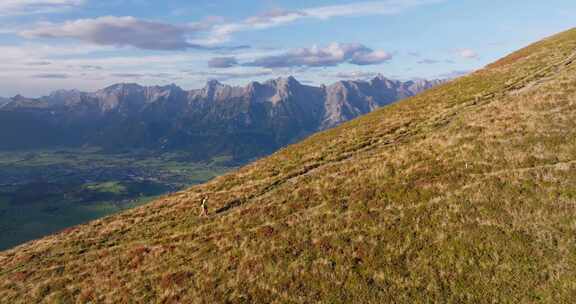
[243,122]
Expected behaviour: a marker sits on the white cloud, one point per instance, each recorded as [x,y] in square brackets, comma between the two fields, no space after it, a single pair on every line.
[151,35]
[84,67]
[389,7]
[274,17]
[127,31]
[22,7]
[222,62]
[223,76]
[51,76]
[332,55]
[118,32]
[370,57]
[428,61]
[354,75]
[222,32]
[34,52]
[468,53]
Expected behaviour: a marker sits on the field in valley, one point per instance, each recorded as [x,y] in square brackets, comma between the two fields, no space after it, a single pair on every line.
[42,192]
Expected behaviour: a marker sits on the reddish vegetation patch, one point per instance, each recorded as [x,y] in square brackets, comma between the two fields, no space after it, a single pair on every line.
[20,276]
[251,266]
[175,279]
[248,211]
[138,255]
[69,230]
[172,300]
[266,231]
[139,251]
[324,245]
[510,59]
[87,296]
[25,258]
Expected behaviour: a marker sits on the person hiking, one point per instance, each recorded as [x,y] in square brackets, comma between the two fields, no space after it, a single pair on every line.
[204,206]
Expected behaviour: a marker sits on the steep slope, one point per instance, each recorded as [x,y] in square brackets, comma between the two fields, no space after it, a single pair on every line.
[242,122]
[462,194]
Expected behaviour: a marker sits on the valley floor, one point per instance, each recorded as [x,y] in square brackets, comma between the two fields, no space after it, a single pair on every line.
[42,192]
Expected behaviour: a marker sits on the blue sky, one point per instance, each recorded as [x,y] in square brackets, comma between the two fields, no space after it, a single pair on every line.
[89,44]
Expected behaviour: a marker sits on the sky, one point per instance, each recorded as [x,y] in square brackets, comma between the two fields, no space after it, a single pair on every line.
[47,45]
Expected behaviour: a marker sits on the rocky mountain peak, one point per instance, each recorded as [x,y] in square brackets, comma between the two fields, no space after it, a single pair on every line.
[18,97]
[252,86]
[62,97]
[213,83]
[4,101]
[382,81]
[380,77]
[284,82]
[122,88]
[215,90]
[290,81]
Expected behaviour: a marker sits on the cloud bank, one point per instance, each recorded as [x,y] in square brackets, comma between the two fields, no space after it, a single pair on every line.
[332,55]
[354,75]
[223,76]
[222,62]
[152,35]
[22,7]
[118,32]
[273,18]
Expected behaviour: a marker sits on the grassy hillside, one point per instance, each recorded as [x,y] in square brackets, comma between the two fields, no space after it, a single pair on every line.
[466,193]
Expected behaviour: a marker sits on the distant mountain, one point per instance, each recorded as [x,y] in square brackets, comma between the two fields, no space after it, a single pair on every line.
[244,122]
[346,100]
[4,101]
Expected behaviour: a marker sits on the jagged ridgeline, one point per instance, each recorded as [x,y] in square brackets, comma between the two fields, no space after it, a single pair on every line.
[463,194]
[241,122]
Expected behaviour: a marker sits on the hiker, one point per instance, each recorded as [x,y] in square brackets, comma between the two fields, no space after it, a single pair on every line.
[204,206]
